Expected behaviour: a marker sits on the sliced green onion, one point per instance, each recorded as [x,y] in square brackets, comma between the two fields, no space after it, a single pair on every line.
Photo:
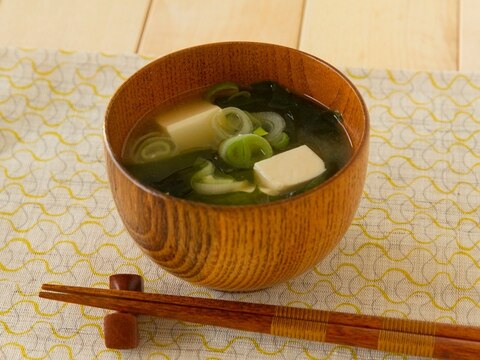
[273,123]
[243,151]
[243,93]
[338,116]
[256,122]
[151,147]
[211,179]
[227,88]
[232,121]
[223,188]
[205,182]
[260,131]
[280,142]
[206,168]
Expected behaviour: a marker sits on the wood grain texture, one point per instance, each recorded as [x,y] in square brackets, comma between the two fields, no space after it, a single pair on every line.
[173,25]
[236,247]
[470,35]
[407,34]
[87,25]
[404,34]
[386,334]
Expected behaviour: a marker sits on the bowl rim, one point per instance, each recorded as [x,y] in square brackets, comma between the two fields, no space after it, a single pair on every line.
[364,139]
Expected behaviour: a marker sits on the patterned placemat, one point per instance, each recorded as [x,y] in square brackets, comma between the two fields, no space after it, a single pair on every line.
[412,250]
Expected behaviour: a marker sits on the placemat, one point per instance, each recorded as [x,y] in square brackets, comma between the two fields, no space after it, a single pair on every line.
[412,250]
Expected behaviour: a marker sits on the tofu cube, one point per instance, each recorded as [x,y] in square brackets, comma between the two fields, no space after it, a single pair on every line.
[190,126]
[287,171]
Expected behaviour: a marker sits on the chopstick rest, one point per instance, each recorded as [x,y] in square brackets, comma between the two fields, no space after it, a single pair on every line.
[121,328]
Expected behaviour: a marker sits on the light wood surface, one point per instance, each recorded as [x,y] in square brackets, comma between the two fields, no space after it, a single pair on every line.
[378,33]
[406,34]
[470,35]
[93,25]
[173,25]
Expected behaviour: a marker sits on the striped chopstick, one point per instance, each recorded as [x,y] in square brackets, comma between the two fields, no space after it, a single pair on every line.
[411,337]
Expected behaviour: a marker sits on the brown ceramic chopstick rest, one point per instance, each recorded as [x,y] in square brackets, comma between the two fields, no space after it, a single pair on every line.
[120,328]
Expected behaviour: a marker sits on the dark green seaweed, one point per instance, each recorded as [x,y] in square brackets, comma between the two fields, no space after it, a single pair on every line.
[155,172]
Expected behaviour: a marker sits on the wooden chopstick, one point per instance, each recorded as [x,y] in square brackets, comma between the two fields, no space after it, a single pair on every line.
[366,321]
[387,334]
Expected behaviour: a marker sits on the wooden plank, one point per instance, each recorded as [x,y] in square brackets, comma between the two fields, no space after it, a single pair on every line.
[90,25]
[470,35]
[173,25]
[407,34]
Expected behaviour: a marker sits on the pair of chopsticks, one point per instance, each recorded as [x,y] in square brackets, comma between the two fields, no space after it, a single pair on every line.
[411,337]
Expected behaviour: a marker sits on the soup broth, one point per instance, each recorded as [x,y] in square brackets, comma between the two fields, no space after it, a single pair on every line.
[224,144]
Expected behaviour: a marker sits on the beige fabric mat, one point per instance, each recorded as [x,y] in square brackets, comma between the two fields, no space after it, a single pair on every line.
[412,250]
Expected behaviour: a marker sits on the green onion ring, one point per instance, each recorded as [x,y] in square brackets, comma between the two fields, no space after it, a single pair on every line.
[205,182]
[243,151]
[151,147]
[227,88]
[280,142]
[273,123]
[232,121]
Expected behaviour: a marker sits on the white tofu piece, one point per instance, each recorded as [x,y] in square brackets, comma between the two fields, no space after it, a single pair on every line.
[288,171]
[190,126]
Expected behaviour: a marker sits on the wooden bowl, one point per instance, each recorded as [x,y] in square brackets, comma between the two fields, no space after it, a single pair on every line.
[236,248]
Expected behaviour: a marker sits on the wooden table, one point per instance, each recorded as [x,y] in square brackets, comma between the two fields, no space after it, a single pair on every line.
[396,34]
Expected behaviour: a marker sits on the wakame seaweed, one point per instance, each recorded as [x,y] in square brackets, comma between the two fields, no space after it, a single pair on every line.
[148,173]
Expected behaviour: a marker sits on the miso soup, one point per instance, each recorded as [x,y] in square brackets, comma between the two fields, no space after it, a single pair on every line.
[236,145]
